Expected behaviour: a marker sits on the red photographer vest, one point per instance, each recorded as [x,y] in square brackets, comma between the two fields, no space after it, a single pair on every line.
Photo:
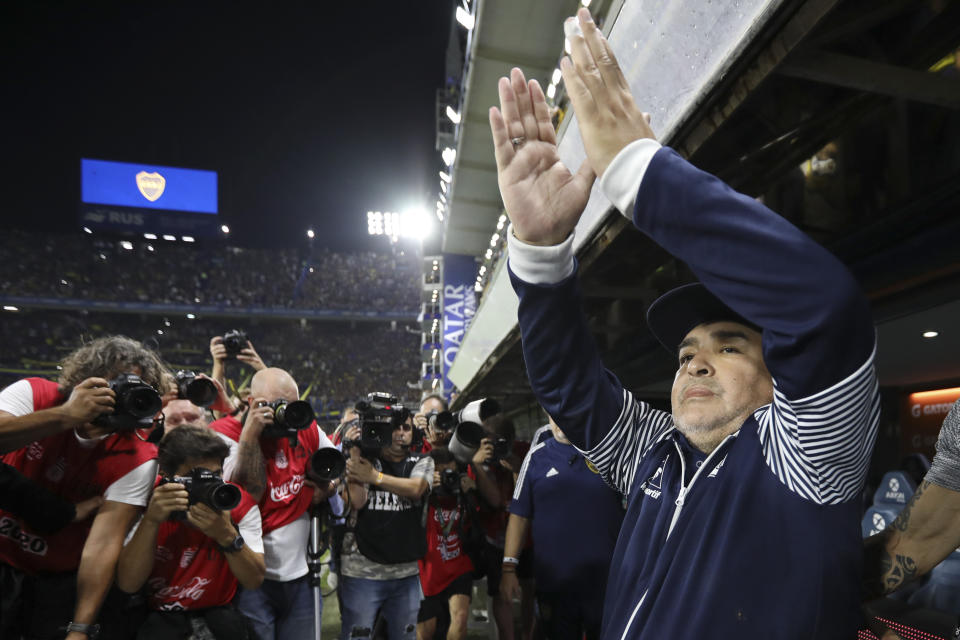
[72,471]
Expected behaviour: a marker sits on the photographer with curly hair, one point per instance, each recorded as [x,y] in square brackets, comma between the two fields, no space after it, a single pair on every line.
[76,439]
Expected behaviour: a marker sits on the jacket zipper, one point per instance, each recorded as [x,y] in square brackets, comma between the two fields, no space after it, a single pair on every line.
[681,497]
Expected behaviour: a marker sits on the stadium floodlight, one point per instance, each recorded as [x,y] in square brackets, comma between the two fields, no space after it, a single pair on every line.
[551,91]
[449,155]
[375,223]
[494,239]
[10,307]
[488,254]
[187,238]
[443,187]
[311,269]
[310,233]
[159,332]
[440,216]
[150,236]
[149,247]
[415,223]
[930,334]
[465,18]
[453,115]
[126,244]
[483,269]
[87,230]
[190,316]
[557,76]
[478,287]
[169,238]
[443,200]
[224,228]
[501,222]
[445,177]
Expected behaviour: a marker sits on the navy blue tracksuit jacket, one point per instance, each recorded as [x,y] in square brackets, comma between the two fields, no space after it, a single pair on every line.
[759,539]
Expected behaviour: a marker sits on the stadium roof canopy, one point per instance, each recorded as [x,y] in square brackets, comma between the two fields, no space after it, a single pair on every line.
[507,34]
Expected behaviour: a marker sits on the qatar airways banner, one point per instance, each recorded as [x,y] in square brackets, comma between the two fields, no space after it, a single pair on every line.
[459,307]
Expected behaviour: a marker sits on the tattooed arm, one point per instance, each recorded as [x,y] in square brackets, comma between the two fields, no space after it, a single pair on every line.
[251,469]
[925,532]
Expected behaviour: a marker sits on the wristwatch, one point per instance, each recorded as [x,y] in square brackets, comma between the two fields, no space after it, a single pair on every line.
[91,630]
[234,546]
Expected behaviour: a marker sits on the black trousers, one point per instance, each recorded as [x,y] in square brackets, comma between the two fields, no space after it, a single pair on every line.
[569,616]
[39,607]
[225,623]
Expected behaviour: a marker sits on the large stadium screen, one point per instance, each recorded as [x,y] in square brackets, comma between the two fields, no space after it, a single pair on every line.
[122,196]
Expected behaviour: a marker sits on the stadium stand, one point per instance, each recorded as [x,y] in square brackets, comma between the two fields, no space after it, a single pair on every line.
[90,267]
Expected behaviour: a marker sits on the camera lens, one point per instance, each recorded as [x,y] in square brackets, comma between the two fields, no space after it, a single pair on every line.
[296,415]
[141,401]
[224,497]
[201,392]
[326,464]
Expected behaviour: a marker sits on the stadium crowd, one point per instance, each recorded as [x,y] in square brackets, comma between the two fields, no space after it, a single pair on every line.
[89,267]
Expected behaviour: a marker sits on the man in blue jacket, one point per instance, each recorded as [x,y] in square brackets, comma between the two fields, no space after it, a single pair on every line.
[743,509]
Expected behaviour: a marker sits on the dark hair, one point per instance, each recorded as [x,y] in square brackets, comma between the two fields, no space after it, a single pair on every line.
[108,357]
[189,442]
[441,455]
[436,396]
[501,425]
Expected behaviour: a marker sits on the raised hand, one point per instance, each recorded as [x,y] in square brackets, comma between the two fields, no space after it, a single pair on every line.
[89,399]
[544,200]
[250,357]
[259,417]
[607,115]
[217,349]
[166,499]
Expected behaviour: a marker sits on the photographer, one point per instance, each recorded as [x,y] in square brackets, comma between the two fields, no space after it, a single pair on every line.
[446,571]
[190,554]
[232,345]
[77,446]
[427,419]
[493,467]
[269,459]
[385,529]
[191,399]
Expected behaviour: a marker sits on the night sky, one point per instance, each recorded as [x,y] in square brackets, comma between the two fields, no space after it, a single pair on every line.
[311,113]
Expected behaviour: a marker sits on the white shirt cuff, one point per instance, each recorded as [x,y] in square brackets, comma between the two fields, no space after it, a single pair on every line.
[621,181]
[537,264]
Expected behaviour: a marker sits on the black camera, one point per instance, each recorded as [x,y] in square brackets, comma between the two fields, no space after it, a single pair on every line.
[289,418]
[449,483]
[206,487]
[501,450]
[135,406]
[441,420]
[200,391]
[379,415]
[326,464]
[234,342]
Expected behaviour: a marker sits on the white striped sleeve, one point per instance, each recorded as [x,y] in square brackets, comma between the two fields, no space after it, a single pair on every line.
[819,447]
[517,490]
[616,456]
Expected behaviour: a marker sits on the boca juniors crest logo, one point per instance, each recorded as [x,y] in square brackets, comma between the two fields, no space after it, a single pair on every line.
[151,185]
